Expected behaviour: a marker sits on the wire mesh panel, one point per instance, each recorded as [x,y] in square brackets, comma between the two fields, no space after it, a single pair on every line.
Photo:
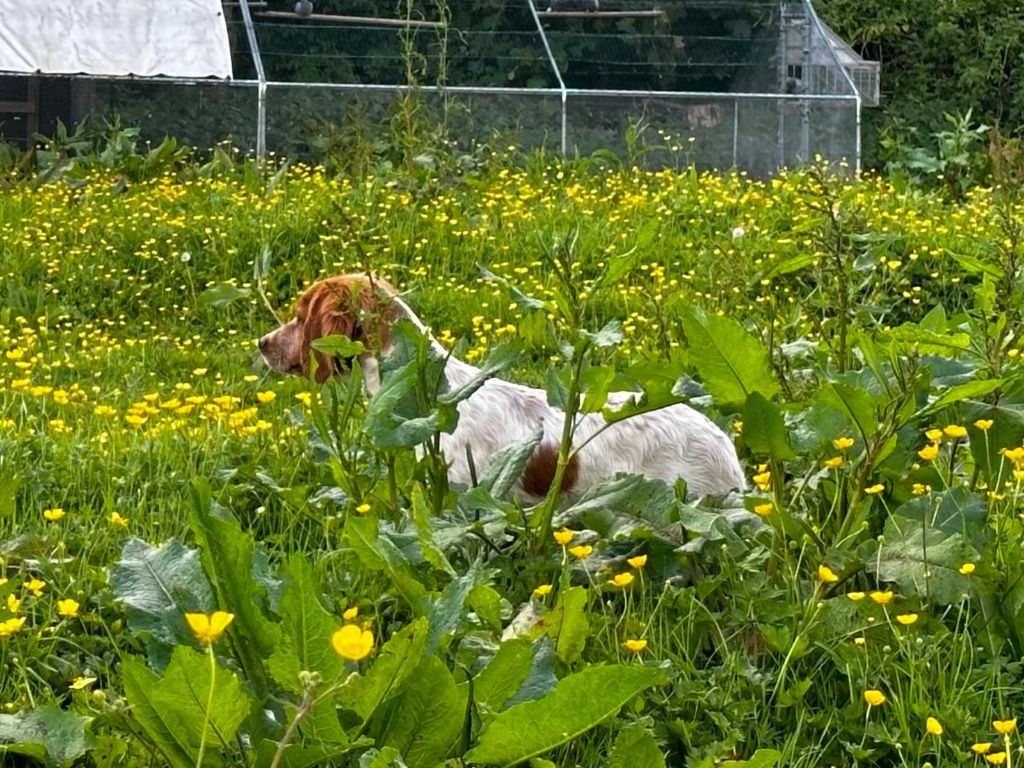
[314,120]
[756,84]
[196,114]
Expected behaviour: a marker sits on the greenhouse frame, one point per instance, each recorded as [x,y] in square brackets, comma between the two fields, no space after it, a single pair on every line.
[756,85]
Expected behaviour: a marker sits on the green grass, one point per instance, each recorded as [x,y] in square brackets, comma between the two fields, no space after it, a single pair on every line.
[128,369]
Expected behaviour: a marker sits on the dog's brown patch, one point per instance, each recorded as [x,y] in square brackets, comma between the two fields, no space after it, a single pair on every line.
[539,472]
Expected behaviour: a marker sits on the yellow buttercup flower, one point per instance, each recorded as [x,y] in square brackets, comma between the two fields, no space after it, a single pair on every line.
[983,424]
[967,569]
[996,758]
[543,590]
[763,480]
[9,627]
[933,726]
[352,643]
[856,596]
[581,551]
[621,579]
[843,443]
[874,698]
[363,508]
[929,452]
[81,682]
[834,463]
[265,397]
[906,619]
[637,562]
[115,519]
[873,490]
[826,574]
[954,431]
[563,537]
[209,626]
[67,608]
[636,646]
[981,747]
[934,434]
[1003,727]
[13,603]
[882,598]
[350,613]
[54,514]
[35,586]
[763,509]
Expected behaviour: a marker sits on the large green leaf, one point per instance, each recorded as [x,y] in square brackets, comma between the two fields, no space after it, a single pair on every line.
[306,631]
[506,466]
[229,559]
[923,560]
[158,585]
[48,734]
[395,662]
[636,747]
[424,721]
[762,758]
[566,624]
[855,403]
[578,703]
[171,709]
[504,673]
[764,429]
[378,553]
[731,362]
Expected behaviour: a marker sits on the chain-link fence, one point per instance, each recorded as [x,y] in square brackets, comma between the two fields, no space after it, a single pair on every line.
[751,84]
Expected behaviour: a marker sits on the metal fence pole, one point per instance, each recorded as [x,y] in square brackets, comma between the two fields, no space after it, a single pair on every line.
[558,75]
[261,79]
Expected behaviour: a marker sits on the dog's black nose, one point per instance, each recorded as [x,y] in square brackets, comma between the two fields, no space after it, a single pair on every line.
[262,343]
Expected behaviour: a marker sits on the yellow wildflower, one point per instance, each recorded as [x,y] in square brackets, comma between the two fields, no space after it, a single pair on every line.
[636,646]
[842,443]
[363,508]
[763,509]
[882,598]
[53,514]
[934,434]
[906,619]
[834,463]
[563,537]
[581,551]
[637,562]
[929,452]
[954,431]
[543,590]
[996,758]
[826,574]
[35,586]
[209,626]
[874,698]
[9,627]
[856,596]
[352,643]
[115,519]
[967,569]
[265,397]
[983,424]
[933,726]
[763,480]
[981,747]
[350,613]
[81,682]
[874,489]
[67,608]
[1004,727]
[621,579]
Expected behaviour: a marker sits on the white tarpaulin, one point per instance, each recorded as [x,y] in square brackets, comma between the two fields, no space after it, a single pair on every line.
[146,38]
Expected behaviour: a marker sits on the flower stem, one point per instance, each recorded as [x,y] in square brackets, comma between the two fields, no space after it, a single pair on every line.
[209,704]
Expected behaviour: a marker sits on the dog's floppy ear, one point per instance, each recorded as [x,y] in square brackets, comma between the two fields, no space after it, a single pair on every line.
[324,312]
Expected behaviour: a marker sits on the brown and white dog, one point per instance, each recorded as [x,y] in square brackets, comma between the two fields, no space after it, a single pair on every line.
[668,444]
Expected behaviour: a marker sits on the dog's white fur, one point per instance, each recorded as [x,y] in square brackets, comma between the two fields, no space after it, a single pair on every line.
[672,443]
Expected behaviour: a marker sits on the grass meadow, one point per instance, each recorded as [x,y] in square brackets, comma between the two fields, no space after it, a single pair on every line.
[206,563]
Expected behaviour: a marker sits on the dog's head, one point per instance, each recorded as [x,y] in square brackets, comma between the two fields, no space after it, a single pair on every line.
[354,306]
